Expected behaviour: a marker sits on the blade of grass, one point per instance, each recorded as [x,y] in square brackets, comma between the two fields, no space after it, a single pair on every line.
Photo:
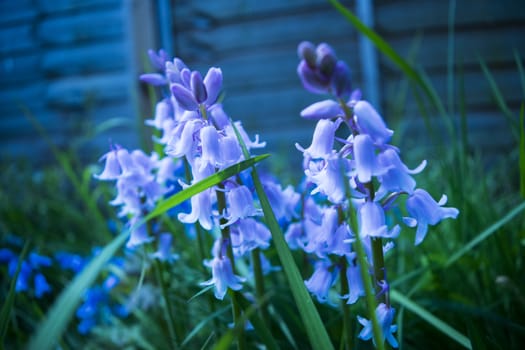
[315,329]
[431,319]
[54,325]
[9,301]
[484,235]
[201,325]
[522,151]
[389,52]
[498,96]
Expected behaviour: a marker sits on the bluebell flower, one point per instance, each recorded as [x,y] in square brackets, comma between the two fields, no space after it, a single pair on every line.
[70,261]
[164,249]
[322,279]
[30,270]
[321,72]
[327,176]
[371,123]
[355,284]
[222,276]
[397,175]
[372,222]
[322,140]
[385,317]
[201,210]
[248,234]
[424,211]
[240,205]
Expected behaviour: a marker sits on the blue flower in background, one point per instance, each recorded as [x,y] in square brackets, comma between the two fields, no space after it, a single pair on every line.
[30,271]
[385,316]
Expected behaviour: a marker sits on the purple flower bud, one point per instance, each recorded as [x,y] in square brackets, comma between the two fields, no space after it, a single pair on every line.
[322,110]
[312,80]
[213,83]
[185,77]
[306,51]
[326,59]
[370,122]
[197,87]
[424,211]
[154,79]
[158,60]
[341,80]
[184,97]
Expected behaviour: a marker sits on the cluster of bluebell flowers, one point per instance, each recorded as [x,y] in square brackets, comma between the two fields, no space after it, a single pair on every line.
[361,172]
[195,133]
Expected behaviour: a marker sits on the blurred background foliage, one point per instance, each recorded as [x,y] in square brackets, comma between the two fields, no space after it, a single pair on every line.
[469,130]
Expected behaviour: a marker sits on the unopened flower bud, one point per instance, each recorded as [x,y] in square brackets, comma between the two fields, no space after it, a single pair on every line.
[306,51]
[197,87]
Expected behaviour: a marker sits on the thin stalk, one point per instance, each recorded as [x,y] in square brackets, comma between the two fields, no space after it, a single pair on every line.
[347,326]
[363,269]
[168,311]
[379,268]
[225,233]
[259,283]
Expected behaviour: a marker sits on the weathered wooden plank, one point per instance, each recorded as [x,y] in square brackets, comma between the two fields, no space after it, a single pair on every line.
[48,7]
[13,12]
[393,17]
[222,10]
[79,92]
[29,94]
[494,45]
[269,32]
[87,59]
[99,25]
[263,68]
[17,39]
[478,94]
[19,69]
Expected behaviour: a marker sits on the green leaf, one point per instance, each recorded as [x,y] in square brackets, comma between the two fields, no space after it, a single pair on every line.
[498,96]
[200,186]
[58,317]
[522,151]
[389,52]
[484,235]
[312,321]
[431,319]
[5,313]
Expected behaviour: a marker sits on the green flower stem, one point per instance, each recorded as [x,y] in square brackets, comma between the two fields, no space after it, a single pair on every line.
[168,310]
[225,233]
[259,284]
[347,328]
[363,269]
[379,268]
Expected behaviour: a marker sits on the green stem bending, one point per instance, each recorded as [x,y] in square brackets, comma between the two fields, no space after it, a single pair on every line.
[347,326]
[168,310]
[225,234]
[379,270]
